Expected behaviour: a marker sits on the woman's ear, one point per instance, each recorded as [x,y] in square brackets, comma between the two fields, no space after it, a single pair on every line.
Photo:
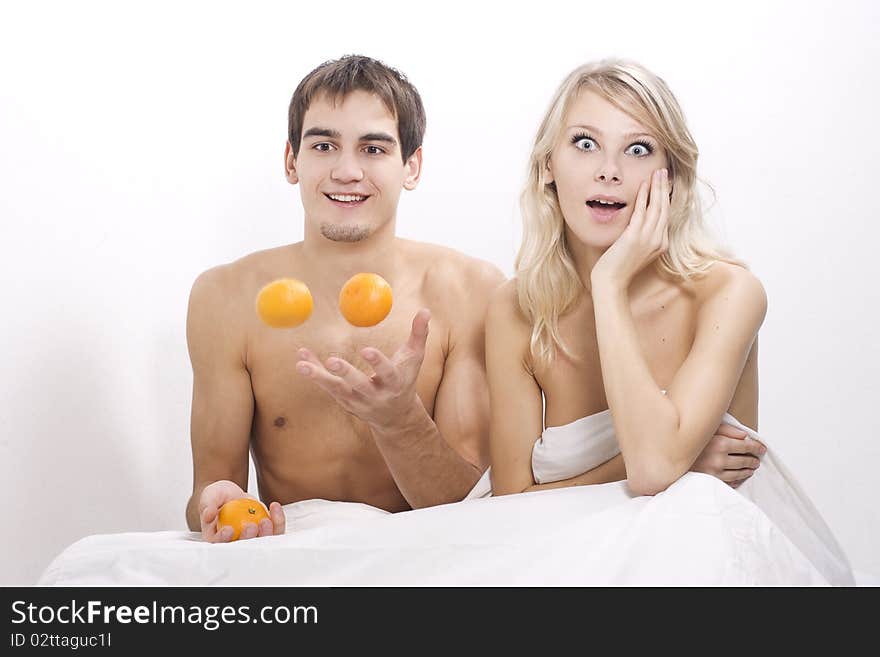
[548,173]
[290,165]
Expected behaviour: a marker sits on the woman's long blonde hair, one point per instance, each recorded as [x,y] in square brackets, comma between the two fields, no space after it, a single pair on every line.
[547,282]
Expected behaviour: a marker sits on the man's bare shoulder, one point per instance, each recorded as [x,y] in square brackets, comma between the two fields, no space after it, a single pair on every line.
[455,276]
[229,280]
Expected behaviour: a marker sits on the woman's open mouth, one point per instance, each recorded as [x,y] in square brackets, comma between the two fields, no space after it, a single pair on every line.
[604,212]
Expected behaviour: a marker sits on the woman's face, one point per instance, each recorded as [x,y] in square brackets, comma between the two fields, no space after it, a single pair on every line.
[603,155]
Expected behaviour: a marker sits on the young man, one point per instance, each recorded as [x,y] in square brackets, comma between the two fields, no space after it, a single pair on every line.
[396,415]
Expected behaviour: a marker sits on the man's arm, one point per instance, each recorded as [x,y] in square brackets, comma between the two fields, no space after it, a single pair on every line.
[438,460]
[433,460]
[222,402]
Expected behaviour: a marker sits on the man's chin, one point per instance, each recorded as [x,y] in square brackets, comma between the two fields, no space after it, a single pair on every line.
[345,232]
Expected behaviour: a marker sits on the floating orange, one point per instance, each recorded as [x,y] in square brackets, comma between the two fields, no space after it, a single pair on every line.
[237,512]
[284,303]
[365,299]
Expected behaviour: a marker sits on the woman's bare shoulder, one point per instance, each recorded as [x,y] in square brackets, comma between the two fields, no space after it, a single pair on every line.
[726,284]
[504,305]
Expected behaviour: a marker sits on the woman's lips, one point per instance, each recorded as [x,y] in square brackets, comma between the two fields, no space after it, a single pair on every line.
[604,215]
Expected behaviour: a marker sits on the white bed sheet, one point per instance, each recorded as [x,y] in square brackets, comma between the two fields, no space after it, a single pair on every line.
[699,532]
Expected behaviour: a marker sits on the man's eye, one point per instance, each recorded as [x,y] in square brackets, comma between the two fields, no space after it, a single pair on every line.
[639,150]
[374,150]
[323,147]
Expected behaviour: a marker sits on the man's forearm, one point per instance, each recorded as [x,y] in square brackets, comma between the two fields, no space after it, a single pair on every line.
[192,512]
[426,469]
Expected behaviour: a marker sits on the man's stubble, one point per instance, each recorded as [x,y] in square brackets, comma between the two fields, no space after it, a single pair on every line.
[349,233]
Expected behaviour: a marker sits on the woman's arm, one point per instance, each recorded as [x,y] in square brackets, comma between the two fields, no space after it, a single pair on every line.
[661,436]
[612,470]
[515,398]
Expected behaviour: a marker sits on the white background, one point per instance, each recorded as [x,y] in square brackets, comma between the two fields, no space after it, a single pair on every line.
[141,144]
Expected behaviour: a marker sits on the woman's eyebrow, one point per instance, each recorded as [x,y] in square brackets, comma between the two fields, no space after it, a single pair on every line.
[628,135]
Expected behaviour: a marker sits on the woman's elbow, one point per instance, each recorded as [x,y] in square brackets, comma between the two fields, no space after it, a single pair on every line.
[651,477]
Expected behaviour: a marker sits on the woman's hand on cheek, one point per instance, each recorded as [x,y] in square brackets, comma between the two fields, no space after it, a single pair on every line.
[644,239]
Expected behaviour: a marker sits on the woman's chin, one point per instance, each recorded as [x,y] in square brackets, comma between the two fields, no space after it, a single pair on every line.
[595,239]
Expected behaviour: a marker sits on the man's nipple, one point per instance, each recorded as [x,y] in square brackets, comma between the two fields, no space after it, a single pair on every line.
[280,421]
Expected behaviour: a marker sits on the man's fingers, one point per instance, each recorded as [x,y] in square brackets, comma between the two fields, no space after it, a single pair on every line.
[209,514]
[735,462]
[308,356]
[386,373]
[265,527]
[744,446]
[334,385]
[731,432]
[352,376]
[755,447]
[418,335]
[224,535]
[248,530]
[736,475]
[279,521]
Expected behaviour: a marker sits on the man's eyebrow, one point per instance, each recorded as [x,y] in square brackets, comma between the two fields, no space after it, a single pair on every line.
[379,136]
[628,135]
[321,132]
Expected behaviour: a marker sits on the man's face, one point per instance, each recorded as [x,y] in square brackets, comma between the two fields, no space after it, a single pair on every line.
[349,166]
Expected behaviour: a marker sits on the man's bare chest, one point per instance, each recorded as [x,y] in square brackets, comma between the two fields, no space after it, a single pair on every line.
[272,355]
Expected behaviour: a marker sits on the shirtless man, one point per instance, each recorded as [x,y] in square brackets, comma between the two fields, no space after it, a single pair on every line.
[396,415]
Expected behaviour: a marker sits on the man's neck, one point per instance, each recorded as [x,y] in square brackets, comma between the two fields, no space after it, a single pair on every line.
[334,262]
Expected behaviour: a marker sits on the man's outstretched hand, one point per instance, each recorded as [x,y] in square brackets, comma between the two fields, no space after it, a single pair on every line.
[219,493]
[389,394]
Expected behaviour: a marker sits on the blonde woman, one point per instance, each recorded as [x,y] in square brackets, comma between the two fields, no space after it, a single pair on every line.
[627,336]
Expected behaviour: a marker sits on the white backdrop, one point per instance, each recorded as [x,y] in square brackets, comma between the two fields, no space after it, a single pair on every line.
[141,144]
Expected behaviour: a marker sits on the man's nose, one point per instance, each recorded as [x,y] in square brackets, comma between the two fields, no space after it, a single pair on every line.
[609,171]
[347,169]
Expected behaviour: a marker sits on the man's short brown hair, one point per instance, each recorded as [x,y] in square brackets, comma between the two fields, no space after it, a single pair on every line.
[339,77]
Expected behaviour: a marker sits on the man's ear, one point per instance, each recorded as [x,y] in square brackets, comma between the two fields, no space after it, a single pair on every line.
[290,164]
[413,170]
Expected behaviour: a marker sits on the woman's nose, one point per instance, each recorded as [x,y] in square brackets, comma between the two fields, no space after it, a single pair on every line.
[608,172]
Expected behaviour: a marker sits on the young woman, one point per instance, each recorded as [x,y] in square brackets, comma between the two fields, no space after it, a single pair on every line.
[627,336]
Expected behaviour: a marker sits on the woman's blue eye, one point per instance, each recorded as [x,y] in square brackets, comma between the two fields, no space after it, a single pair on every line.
[581,143]
[643,149]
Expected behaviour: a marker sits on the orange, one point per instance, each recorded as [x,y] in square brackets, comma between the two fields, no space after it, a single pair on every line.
[365,299]
[237,512]
[284,303]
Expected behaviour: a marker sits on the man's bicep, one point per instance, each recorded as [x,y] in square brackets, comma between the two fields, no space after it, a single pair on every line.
[461,407]
[222,400]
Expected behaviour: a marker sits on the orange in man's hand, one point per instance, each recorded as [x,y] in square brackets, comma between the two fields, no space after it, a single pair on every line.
[237,512]
[365,299]
[284,303]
